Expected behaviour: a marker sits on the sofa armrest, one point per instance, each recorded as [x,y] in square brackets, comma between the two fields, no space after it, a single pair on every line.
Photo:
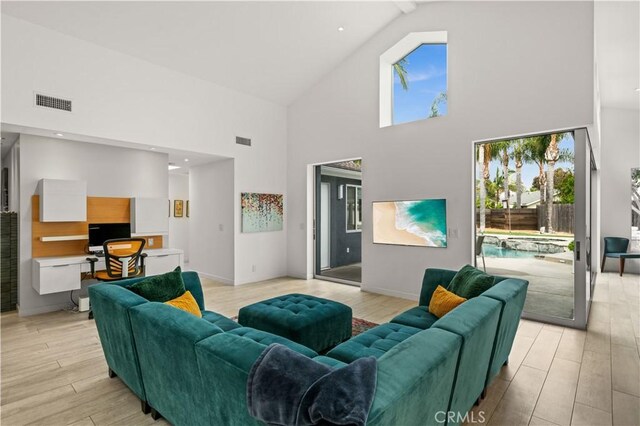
[434,277]
[415,380]
[224,361]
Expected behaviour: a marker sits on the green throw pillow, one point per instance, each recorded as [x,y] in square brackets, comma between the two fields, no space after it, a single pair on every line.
[470,282]
[160,288]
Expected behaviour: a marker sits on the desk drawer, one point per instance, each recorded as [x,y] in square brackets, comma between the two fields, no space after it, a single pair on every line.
[155,265]
[56,279]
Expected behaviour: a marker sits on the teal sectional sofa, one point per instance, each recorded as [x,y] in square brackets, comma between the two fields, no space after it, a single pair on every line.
[194,371]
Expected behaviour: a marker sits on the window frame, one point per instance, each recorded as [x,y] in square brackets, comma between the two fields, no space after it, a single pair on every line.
[358,203]
[394,54]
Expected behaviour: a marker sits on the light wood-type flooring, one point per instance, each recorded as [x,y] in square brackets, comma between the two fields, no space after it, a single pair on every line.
[54,372]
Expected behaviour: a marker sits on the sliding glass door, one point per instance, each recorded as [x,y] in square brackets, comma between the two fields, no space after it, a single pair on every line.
[532,220]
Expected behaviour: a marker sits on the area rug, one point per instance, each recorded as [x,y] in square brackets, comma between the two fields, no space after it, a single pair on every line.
[358,325]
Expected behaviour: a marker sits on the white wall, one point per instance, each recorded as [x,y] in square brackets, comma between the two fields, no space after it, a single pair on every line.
[514,68]
[108,171]
[179,226]
[11,161]
[620,153]
[211,227]
[122,98]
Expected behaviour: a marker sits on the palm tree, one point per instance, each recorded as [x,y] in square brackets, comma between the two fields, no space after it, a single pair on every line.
[534,150]
[483,188]
[520,157]
[552,155]
[435,106]
[401,71]
[502,151]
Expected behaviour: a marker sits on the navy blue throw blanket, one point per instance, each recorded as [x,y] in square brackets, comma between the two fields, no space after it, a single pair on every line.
[288,389]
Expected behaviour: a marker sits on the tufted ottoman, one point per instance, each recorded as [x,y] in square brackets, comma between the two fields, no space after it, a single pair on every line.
[311,321]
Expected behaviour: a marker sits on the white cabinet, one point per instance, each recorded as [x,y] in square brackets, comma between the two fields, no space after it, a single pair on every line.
[149,216]
[58,274]
[161,263]
[62,200]
[55,278]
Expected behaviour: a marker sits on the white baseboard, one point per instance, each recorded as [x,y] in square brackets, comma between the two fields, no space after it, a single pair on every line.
[222,280]
[41,309]
[387,292]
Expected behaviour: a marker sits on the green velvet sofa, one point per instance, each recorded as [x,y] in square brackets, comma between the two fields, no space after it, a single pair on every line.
[194,371]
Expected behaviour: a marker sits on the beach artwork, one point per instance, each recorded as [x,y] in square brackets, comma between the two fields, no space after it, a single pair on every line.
[262,212]
[410,223]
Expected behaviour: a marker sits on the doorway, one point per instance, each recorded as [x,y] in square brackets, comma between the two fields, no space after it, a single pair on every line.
[532,220]
[338,222]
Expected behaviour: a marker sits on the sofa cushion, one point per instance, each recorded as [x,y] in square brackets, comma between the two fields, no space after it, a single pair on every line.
[267,338]
[221,321]
[160,288]
[418,317]
[444,301]
[375,342]
[187,303]
[470,282]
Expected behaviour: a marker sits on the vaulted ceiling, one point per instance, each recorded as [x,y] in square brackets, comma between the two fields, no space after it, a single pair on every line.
[278,50]
[272,50]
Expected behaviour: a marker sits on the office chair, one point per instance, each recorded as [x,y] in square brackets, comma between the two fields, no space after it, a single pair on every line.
[117,253]
[123,258]
[480,252]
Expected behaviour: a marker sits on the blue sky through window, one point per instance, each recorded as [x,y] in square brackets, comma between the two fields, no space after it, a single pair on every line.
[426,70]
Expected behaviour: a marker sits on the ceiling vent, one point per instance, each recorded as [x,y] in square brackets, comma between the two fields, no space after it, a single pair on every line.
[46,101]
[243,141]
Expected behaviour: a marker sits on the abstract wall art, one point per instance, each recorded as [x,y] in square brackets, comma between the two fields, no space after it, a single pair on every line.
[262,212]
[410,223]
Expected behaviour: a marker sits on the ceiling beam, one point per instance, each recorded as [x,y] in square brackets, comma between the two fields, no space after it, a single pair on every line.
[406,6]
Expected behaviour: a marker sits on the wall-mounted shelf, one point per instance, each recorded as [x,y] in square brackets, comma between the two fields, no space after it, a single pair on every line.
[64,238]
[148,234]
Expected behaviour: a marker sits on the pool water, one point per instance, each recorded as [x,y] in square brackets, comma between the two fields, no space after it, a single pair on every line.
[495,251]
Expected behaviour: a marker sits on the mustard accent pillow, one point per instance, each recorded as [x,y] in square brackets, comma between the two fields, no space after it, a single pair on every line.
[187,303]
[444,301]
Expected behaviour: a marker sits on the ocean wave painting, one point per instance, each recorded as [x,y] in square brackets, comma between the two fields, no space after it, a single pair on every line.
[411,223]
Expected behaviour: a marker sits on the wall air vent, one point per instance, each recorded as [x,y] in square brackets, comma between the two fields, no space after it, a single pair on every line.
[46,101]
[243,141]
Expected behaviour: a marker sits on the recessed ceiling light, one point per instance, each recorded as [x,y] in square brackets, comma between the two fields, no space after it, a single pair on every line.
[186,160]
[173,167]
[341,29]
[638,89]
[152,149]
[59,134]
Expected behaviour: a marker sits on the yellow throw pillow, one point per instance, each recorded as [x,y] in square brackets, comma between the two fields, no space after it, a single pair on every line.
[444,301]
[187,303]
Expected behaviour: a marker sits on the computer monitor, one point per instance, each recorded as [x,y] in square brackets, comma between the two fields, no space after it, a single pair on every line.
[101,232]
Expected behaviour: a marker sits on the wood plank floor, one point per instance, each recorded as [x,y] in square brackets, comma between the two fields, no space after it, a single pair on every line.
[54,373]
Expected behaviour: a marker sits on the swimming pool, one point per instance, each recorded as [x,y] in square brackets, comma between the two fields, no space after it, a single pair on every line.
[495,251]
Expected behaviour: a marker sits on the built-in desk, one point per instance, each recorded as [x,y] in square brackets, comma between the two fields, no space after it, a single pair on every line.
[58,274]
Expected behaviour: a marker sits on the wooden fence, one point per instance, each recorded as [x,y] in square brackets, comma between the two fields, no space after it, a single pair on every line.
[561,217]
[520,219]
[529,219]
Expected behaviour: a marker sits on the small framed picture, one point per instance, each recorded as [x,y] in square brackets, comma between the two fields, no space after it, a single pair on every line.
[187,208]
[177,208]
